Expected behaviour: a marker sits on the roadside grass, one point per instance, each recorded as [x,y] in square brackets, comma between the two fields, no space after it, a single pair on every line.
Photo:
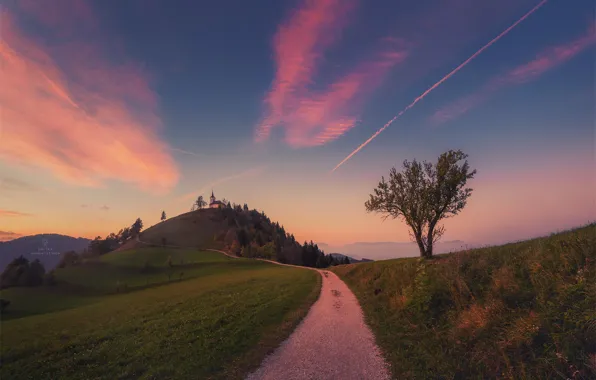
[525,310]
[218,326]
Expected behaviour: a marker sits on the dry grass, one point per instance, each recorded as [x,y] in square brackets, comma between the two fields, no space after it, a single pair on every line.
[521,311]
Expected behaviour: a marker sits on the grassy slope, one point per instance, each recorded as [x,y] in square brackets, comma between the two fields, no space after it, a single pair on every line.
[219,324]
[117,272]
[191,229]
[523,310]
[147,267]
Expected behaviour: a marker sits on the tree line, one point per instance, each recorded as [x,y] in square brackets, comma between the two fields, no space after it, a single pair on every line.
[252,234]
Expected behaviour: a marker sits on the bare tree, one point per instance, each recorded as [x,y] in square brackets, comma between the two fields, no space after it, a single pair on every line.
[424,194]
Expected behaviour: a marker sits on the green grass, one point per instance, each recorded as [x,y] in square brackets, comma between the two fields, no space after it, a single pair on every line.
[219,324]
[519,311]
[146,267]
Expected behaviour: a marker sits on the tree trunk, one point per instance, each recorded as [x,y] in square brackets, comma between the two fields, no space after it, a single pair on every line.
[420,245]
[429,241]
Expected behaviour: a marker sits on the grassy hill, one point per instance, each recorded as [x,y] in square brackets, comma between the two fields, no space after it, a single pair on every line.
[130,314]
[248,233]
[192,229]
[520,311]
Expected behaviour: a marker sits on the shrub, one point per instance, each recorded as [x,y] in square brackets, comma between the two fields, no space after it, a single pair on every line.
[68,259]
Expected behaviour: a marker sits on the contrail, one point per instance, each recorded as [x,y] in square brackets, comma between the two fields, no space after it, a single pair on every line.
[505,32]
[184,151]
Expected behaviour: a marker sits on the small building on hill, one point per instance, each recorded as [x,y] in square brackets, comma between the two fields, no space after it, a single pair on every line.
[214,203]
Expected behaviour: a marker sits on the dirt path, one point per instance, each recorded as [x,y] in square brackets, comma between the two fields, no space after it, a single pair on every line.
[332,342]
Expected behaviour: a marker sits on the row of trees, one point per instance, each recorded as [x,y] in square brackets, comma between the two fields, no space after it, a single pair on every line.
[99,246]
[22,272]
[252,234]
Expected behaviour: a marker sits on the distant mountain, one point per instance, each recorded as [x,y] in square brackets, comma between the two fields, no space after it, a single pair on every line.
[389,250]
[45,247]
[352,260]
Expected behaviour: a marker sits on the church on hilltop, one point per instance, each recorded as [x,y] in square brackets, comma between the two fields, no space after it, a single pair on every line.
[213,203]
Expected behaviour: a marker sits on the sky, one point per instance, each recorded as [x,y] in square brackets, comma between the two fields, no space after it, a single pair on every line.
[116,110]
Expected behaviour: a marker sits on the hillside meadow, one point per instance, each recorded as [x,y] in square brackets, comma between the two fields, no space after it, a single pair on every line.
[127,316]
[519,311]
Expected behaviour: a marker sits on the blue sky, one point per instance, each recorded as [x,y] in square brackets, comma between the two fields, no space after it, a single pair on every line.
[269,96]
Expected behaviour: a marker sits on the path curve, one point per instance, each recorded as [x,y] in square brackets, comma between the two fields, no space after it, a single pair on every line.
[332,341]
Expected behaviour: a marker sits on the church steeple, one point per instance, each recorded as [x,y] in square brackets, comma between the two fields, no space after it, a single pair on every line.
[212,199]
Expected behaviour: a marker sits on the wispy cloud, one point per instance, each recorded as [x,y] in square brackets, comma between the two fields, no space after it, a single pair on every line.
[8,235]
[298,46]
[96,123]
[317,117]
[10,213]
[252,172]
[104,208]
[321,117]
[441,81]
[546,60]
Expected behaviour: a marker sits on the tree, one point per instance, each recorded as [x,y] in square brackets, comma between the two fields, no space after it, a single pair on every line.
[136,227]
[68,259]
[424,194]
[21,272]
[163,216]
[124,235]
[99,246]
[245,207]
[229,205]
[200,202]
[242,236]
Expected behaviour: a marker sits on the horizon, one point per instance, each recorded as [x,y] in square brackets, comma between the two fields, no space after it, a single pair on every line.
[105,119]
[386,252]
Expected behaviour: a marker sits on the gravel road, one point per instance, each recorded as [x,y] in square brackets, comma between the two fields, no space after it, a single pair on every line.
[332,342]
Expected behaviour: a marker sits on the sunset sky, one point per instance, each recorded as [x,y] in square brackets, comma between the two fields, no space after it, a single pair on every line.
[113,110]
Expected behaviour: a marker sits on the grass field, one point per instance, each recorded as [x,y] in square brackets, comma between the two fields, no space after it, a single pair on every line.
[519,311]
[218,321]
[138,268]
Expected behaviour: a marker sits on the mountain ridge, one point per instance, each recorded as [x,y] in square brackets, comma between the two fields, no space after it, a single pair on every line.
[45,247]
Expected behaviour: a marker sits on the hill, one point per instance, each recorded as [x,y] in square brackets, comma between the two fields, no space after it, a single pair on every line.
[521,310]
[45,247]
[246,233]
[153,313]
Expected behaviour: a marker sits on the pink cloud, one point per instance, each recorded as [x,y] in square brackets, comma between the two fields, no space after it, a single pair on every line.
[321,117]
[10,213]
[298,48]
[86,119]
[542,63]
[318,117]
